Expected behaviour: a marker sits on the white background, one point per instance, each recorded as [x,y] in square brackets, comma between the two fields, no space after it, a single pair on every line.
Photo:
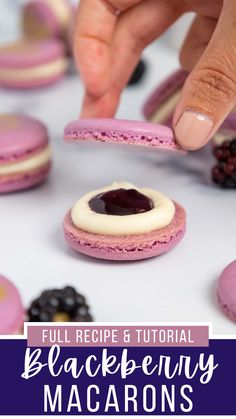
[178,286]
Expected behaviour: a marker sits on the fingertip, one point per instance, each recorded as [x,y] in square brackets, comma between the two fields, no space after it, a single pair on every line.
[193,129]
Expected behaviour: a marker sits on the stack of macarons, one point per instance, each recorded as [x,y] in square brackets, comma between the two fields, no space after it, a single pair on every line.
[123,222]
[25,156]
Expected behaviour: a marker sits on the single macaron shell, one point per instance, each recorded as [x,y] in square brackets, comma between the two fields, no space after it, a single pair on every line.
[160,105]
[25,157]
[130,247]
[11,309]
[46,18]
[120,131]
[226,291]
[29,64]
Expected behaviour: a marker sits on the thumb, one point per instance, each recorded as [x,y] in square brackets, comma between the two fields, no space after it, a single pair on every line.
[209,93]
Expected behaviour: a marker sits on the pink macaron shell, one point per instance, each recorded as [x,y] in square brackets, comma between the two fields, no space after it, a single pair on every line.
[226,291]
[41,10]
[130,247]
[27,53]
[163,91]
[20,137]
[24,181]
[11,308]
[120,131]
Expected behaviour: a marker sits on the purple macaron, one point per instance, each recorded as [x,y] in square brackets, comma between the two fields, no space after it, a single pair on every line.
[101,227]
[226,291]
[28,64]
[12,312]
[120,131]
[25,156]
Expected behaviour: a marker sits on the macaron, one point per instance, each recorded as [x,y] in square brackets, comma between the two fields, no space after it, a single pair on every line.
[226,291]
[11,309]
[59,305]
[46,19]
[160,105]
[28,64]
[25,156]
[122,222]
[125,132]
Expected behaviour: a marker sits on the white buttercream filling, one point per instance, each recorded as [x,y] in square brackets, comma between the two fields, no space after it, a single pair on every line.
[32,163]
[160,216]
[45,70]
[165,109]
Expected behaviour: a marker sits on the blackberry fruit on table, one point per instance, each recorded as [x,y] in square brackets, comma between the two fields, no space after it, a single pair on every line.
[224,172]
[138,73]
[59,305]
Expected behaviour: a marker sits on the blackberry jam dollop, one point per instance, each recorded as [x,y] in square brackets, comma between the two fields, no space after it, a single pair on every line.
[121,202]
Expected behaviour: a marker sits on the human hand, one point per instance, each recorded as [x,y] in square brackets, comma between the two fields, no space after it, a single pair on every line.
[110,36]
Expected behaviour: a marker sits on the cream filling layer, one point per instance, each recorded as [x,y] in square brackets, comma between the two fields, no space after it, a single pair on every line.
[45,70]
[114,225]
[32,163]
[165,109]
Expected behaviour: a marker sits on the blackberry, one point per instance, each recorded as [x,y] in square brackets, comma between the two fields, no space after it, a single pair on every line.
[138,73]
[59,305]
[224,172]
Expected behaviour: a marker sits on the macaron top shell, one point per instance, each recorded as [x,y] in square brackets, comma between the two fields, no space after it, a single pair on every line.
[27,53]
[11,308]
[227,288]
[122,132]
[20,136]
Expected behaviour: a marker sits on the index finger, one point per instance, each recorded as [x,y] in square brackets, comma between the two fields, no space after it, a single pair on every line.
[95,25]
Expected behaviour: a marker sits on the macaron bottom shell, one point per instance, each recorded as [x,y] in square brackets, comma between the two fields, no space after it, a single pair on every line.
[24,181]
[31,84]
[12,312]
[225,308]
[127,248]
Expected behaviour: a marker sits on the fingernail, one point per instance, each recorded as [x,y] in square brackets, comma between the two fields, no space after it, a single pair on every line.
[193,129]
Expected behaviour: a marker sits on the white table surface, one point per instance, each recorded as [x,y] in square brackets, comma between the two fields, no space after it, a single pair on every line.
[178,286]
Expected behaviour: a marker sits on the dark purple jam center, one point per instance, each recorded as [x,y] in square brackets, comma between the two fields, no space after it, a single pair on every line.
[121,202]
